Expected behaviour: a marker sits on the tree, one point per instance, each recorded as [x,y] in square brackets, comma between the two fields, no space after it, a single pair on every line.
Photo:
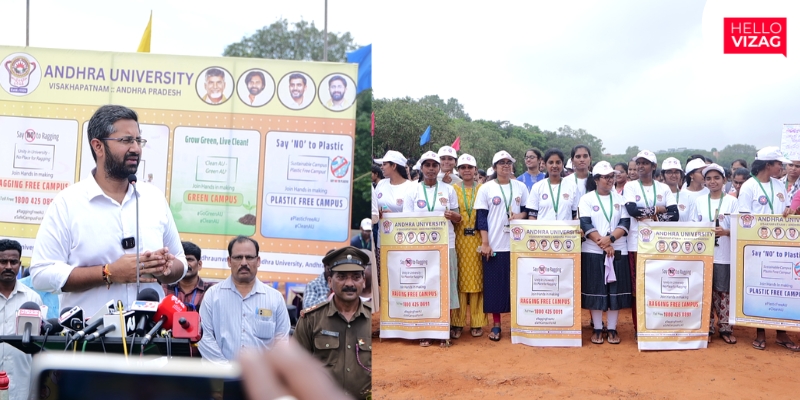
[452,108]
[733,152]
[566,138]
[302,42]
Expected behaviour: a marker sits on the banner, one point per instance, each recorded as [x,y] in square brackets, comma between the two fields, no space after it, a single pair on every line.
[674,268]
[765,275]
[254,147]
[790,141]
[546,283]
[415,301]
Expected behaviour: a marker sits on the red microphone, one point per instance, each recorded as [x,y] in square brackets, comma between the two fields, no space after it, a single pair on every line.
[187,326]
[165,316]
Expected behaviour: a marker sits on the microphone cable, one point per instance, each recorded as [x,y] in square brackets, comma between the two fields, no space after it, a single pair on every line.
[122,324]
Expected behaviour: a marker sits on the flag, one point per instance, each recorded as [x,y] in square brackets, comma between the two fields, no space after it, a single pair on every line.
[372,123]
[362,57]
[144,45]
[426,137]
[457,144]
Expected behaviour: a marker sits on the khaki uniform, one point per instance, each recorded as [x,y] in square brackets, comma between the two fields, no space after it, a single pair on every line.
[344,348]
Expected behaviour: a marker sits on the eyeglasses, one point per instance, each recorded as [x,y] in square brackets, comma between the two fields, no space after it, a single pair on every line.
[240,258]
[128,140]
[504,162]
[12,263]
[608,177]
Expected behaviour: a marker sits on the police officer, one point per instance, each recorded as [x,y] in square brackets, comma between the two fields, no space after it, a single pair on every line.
[337,332]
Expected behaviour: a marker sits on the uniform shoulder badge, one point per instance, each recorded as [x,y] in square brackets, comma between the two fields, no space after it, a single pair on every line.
[315,307]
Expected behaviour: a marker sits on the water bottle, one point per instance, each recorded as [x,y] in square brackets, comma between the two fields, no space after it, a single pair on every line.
[4,382]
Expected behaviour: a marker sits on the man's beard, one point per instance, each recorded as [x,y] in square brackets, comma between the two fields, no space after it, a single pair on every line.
[336,96]
[296,94]
[116,169]
[255,90]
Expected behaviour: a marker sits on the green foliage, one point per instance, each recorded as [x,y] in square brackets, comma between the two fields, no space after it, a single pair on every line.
[301,42]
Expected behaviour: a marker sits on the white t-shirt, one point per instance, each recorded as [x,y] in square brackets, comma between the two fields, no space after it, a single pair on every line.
[754,200]
[542,196]
[491,197]
[590,207]
[391,196]
[685,199]
[699,212]
[580,184]
[633,194]
[443,197]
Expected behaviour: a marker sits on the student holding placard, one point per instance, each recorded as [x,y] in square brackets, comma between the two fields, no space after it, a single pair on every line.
[430,196]
[553,198]
[717,206]
[763,194]
[646,199]
[499,201]
[605,273]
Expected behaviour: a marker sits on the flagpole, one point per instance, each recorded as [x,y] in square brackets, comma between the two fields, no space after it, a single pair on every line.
[325,35]
[28,22]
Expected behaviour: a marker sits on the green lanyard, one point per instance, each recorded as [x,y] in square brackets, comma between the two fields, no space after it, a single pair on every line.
[468,205]
[678,197]
[429,204]
[557,199]
[610,206]
[510,195]
[710,218]
[771,189]
[645,194]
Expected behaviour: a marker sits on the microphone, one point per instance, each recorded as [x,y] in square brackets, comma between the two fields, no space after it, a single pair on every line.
[144,307]
[71,318]
[102,331]
[132,180]
[51,327]
[188,326]
[165,316]
[89,328]
[28,316]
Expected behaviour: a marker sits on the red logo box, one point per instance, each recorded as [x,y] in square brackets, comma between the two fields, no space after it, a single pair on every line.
[754,36]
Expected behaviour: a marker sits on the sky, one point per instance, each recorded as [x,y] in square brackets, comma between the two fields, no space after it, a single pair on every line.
[646,73]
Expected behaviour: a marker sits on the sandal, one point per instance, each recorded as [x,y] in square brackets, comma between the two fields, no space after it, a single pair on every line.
[496,332]
[613,336]
[476,332]
[425,343]
[455,332]
[759,344]
[597,336]
[376,333]
[445,344]
[789,345]
[728,337]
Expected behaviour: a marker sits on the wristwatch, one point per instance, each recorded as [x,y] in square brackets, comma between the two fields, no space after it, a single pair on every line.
[612,238]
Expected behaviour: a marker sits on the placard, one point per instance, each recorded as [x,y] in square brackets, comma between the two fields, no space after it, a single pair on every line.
[545,283]
[790,141]
[674,270]
[765,278]
[415,302]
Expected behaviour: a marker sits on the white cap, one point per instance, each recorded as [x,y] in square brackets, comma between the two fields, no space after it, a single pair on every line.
[417,166]
[603,168]
[502,155]
[713,167]
[671,163]
[366,224]
[647,155]
[697,163]
[489,171]
[771,153]
[429,155]
[466,159]
[394,157]
[569,164]
[447,151]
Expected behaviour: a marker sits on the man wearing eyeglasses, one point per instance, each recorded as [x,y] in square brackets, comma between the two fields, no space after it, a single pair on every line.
[241,312]
[86,245]
[337,332]
[191,289]
[13,295]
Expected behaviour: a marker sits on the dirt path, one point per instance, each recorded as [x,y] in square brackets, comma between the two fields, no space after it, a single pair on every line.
[476,368]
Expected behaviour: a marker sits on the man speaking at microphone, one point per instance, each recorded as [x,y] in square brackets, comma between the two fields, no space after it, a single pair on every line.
[86,246]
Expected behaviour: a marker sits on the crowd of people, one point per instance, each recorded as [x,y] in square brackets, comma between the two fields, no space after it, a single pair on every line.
[608,201]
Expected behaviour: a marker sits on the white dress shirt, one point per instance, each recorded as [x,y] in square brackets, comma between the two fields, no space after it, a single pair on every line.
[16,363]
[84,227]
[231,322]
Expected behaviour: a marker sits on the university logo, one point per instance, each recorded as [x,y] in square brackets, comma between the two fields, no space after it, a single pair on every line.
[23,74]
[380,194]
[682,207]
[780,196]
[544,196]
[659,197]
[595,208]
[646,234]
[565,196]
[638,197]
[517,233]
[421,203]
[496,200]
[387,226]
[399,202]
[746,220]
[762,200]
